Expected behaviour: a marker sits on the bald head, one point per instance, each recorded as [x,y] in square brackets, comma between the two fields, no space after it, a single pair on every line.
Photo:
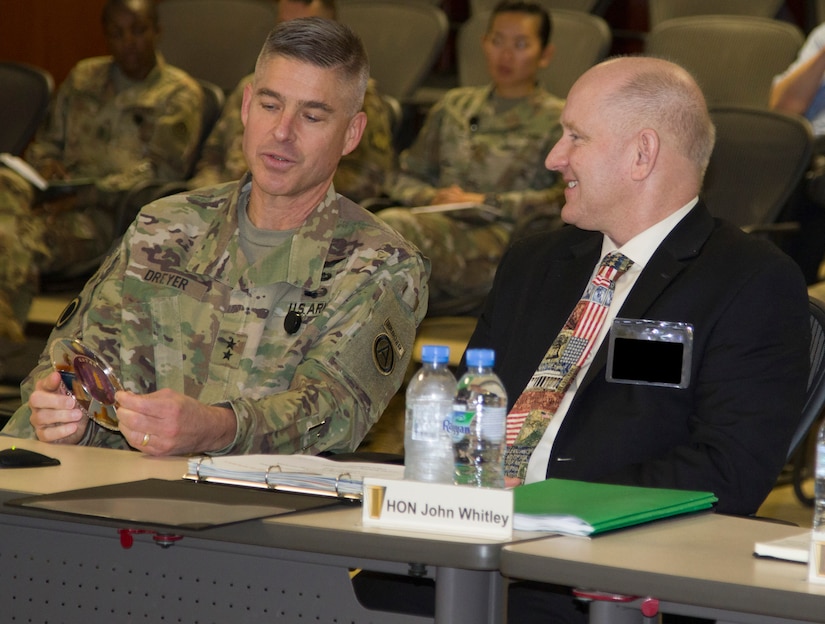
[649,92]
[636,143]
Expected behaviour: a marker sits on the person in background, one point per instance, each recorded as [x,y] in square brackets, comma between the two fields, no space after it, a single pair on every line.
[482,145]
[116,121]
[800,90]
[361,174]
[637,140]
[265,315]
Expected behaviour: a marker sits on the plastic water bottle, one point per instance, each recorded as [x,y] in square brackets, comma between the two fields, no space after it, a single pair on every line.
[428,448]
[479,419]
[819,482]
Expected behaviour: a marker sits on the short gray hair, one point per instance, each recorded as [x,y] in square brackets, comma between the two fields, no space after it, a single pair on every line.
[324,43]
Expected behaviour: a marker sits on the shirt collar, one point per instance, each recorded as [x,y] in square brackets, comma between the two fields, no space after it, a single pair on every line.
[641,247]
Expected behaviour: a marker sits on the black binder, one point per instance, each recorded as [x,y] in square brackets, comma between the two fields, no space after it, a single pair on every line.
[179,504]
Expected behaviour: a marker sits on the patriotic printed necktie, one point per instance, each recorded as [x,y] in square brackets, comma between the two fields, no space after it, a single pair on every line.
[539,401]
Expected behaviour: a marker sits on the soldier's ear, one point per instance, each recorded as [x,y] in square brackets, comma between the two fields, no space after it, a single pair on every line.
[355,131]
[547,55]
[247,100]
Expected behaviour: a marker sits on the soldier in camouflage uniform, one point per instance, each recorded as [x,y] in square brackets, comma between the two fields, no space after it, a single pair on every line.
[483,145]
[22,246]
[361,174]
[269,315]
[116,120]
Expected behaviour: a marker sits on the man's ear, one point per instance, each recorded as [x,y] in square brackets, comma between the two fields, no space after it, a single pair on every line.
[547,55]
[354,132]
[646,153]
[247,100]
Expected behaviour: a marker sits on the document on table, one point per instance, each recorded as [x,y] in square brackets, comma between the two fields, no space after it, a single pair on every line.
[792,548]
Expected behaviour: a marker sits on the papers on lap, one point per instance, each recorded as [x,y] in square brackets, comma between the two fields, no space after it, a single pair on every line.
[29,173]
[293,473]
[583,508]
[463,211]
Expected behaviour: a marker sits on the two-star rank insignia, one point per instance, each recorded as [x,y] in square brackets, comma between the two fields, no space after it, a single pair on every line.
[230,345]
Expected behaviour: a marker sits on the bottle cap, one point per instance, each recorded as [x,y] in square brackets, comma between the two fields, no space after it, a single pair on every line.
[480,357]
[435,354]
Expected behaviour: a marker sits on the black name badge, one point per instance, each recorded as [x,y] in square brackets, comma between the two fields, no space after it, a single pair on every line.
[653,353]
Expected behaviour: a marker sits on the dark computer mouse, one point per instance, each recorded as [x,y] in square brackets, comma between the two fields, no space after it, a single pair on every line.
[23,458]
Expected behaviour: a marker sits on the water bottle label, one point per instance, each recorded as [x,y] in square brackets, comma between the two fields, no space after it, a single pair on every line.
[428,421]
[462,421]
[494,423]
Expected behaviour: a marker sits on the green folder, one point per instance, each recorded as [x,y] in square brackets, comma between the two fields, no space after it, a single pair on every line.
[584,508]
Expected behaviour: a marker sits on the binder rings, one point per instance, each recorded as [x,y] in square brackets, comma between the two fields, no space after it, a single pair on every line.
[303,474]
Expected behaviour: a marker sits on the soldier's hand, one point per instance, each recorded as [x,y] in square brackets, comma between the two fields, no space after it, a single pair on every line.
[53,169]
[56,416]
[170,423]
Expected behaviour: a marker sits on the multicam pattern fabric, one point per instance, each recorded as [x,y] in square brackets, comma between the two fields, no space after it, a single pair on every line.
[121,132]
[178,306]
[466,142]
[104,127]
[537,404]
[21,249]
[361,173]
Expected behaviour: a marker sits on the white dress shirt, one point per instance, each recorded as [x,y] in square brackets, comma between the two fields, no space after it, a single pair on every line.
[639,249]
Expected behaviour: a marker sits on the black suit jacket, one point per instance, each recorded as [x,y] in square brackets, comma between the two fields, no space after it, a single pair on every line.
[729,431]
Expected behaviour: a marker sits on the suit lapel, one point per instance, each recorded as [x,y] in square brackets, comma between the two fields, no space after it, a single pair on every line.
[560,290]
[674,254]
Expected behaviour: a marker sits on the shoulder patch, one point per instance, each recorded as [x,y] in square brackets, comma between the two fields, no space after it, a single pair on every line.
[383,354]
[68,312]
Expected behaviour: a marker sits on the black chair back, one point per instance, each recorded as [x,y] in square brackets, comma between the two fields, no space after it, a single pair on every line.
[25,93]
[759,159]
[799,452]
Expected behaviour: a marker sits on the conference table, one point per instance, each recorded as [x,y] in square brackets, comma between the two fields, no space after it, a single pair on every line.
[58,567]
[700,565]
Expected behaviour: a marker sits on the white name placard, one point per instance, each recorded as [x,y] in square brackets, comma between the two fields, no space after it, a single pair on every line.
[438,508]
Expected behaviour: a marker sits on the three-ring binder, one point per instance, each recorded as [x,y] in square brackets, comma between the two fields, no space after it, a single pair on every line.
[343,486]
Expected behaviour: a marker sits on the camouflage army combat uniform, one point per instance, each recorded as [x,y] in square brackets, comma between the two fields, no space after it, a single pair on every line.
[361,174]
[483,145]
[22,247]
[178,306]
[107,128]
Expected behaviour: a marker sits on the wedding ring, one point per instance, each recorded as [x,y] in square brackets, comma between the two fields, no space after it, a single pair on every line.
[145,439]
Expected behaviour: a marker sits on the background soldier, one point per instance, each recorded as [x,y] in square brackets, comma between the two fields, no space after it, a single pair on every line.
[116,121]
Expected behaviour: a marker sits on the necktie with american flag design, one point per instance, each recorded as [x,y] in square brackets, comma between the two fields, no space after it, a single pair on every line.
[539,401]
